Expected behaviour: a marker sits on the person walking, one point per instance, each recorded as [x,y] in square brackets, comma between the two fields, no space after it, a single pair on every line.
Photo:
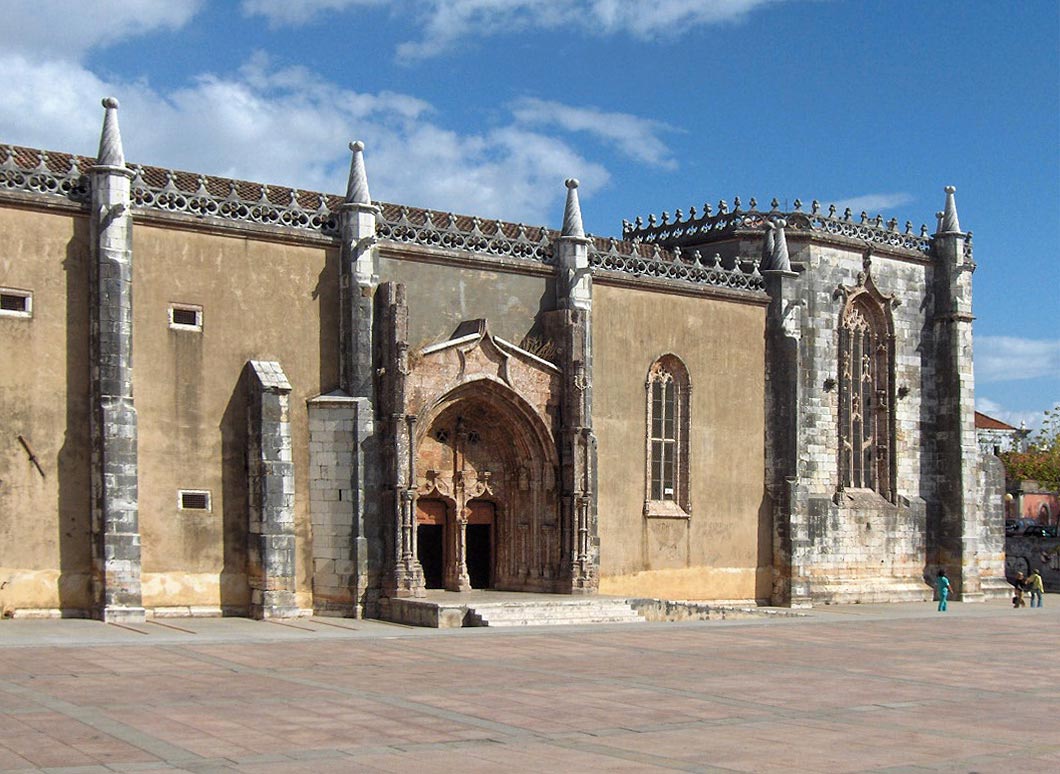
[1020,585]
[942,585]
[1034,583]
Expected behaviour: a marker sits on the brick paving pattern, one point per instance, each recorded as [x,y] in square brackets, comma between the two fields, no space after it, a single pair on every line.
[864,688]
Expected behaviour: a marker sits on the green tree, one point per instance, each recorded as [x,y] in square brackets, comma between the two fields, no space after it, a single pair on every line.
[1041,461]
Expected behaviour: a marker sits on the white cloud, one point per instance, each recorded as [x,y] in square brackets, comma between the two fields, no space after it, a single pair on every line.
[295,13]
[664,17]
[1032,419]
[289,126]
[66,29]
[444,22]
[634,136]
[873,203]
[1009,358]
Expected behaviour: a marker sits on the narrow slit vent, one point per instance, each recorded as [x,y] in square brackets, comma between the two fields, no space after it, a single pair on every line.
[15,303]
[195,501]
[185,317]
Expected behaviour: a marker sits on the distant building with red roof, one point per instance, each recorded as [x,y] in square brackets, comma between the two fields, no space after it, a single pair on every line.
[995,436]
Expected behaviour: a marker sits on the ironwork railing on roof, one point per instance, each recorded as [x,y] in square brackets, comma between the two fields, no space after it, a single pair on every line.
[690,230]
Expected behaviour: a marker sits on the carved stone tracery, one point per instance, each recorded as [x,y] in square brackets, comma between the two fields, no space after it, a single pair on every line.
[866,388]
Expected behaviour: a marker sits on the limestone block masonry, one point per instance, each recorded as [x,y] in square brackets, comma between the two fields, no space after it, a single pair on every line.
[340,427]
[270,474]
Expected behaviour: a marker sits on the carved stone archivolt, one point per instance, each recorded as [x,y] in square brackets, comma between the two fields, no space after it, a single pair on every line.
[486,462]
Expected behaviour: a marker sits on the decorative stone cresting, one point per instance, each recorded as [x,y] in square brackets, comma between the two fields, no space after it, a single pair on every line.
[691,230]
[156,189]
[26,170]
[449,232]
[645,260]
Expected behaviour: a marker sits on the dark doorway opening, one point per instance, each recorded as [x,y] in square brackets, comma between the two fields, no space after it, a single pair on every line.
[480,555]
[431,550]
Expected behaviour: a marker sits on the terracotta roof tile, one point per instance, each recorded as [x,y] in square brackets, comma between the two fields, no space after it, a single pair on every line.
[983,422]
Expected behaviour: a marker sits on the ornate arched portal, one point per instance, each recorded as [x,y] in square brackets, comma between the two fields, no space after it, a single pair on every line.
[487,511]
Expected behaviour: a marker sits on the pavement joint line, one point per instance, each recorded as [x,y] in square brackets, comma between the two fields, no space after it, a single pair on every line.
[337,626]
[635,757]
[170,626]
[88,716]
[127,627]
[393,701]
[971,736]
[288,625]
[978,692]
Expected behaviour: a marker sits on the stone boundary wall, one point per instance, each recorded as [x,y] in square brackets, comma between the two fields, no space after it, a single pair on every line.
[1023,554]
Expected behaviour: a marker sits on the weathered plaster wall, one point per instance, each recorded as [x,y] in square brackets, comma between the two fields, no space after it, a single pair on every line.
[261,300]
[722,550]
[440,297]
[45,519]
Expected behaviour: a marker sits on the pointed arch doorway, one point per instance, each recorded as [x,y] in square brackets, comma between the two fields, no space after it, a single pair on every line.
[487,511]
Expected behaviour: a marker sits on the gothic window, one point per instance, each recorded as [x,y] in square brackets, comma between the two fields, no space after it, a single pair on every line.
[667,438]
[865,375]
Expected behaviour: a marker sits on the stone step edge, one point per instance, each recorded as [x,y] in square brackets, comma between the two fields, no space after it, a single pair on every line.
[559,622]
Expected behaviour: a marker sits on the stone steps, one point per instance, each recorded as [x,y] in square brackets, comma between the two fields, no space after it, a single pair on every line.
[553,613]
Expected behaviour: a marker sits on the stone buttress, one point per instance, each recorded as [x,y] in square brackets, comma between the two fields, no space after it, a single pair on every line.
[404,575]
[344,459]
[783,365]
[115,508]
[270,488]
[577,442]
[965,534]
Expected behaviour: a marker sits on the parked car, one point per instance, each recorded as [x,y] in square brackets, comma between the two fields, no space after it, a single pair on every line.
[1017,526]
[1039,530]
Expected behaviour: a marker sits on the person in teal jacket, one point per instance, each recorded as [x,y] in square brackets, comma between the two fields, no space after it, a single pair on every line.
[942,584]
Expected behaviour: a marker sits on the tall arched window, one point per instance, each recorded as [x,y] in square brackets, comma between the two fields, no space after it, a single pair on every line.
[866,391]
[668,390]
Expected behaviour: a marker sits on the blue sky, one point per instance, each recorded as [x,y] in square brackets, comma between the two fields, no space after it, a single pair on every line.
[485,106]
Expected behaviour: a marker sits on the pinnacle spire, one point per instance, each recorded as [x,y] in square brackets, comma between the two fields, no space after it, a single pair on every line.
[110,153]
[775,246]
[769,243]
[781,260]
[950,224]
[357,187]
[572,213]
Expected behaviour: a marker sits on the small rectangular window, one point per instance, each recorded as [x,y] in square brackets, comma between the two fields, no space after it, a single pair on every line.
[194,500]
[16,303]
[185,317]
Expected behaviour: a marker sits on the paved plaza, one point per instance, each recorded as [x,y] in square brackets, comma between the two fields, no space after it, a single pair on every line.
[896,688]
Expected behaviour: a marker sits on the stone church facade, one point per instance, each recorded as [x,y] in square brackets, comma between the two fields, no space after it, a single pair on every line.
[223,397]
